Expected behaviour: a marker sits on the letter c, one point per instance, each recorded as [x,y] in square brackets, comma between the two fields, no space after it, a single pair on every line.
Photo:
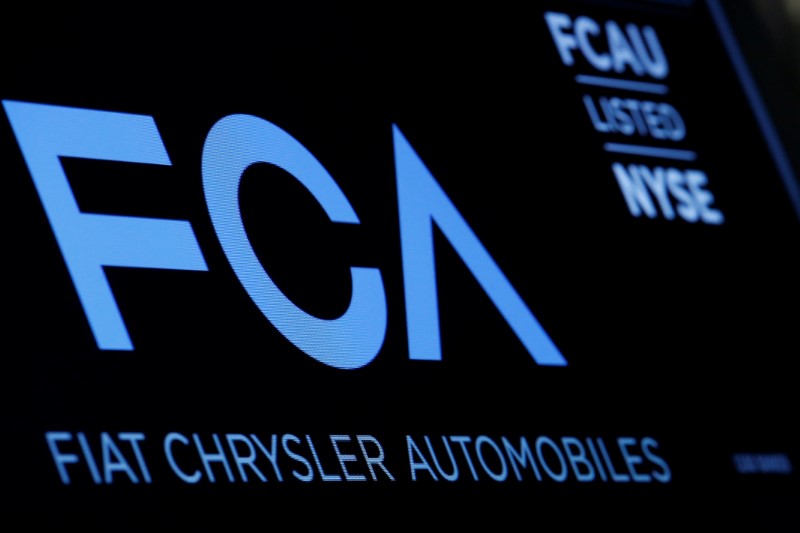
[234,143]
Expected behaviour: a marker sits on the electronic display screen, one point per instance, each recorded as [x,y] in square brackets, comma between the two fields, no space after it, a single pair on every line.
[328,264]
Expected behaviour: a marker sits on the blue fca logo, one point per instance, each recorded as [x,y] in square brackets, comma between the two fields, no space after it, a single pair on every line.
[90,241]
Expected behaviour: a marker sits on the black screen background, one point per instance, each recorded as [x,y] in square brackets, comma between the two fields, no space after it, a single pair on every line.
[681,332]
